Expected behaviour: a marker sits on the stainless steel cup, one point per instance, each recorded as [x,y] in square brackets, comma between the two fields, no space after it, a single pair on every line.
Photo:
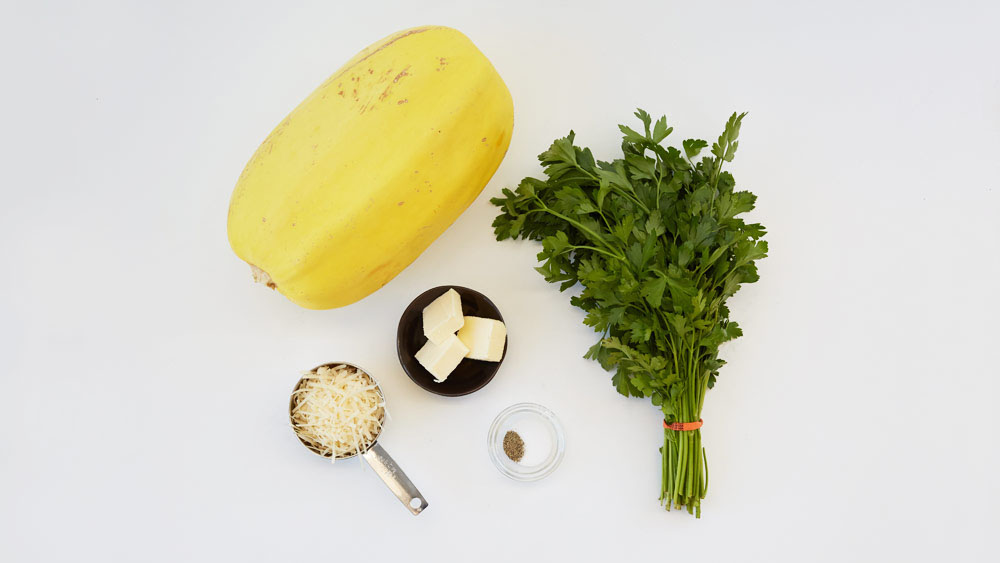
[376,457]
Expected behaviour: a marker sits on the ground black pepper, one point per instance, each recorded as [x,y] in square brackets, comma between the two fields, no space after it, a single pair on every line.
[513,445]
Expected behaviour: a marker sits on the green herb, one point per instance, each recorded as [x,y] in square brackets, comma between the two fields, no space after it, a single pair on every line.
[656,241]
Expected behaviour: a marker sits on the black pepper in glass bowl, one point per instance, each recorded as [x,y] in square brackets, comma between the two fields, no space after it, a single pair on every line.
[541,442]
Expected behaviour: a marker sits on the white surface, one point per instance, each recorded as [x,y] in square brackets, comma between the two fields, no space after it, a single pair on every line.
[145,378]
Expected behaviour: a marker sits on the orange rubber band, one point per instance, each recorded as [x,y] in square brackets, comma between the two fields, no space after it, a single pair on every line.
[683,426]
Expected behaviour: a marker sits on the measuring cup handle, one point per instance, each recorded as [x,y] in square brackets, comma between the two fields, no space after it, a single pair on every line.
[395,479]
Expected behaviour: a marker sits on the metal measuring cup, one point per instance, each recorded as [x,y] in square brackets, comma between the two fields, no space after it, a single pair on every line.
[376,457]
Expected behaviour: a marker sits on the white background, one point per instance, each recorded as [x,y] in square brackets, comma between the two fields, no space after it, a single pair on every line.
[145,378]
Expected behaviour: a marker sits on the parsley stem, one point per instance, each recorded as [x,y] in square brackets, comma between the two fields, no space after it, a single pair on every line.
[659,177]
[594,249]
[704,483]
[578,225]
[634,198]
[664,452]
[605,219]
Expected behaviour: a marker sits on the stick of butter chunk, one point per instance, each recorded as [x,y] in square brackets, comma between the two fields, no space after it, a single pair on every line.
[443,317]
[484,338]
[442,359]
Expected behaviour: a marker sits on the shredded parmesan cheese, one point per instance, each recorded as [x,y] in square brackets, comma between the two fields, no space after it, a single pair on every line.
[338,410]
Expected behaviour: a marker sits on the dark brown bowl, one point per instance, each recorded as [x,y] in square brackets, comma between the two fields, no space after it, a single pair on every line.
[470,375]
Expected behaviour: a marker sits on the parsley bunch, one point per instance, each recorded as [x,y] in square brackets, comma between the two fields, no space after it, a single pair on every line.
[656,242]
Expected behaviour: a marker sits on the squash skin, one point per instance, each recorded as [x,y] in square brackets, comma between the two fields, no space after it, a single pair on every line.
[371,168]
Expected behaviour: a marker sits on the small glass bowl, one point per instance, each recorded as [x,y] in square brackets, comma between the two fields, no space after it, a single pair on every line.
[544,442]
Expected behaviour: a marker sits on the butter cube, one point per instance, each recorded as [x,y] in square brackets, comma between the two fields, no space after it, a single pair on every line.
[443,317]
[441,360]
[485,338]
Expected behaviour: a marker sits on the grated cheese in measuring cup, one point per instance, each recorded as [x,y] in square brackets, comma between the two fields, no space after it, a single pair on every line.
[338,410]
